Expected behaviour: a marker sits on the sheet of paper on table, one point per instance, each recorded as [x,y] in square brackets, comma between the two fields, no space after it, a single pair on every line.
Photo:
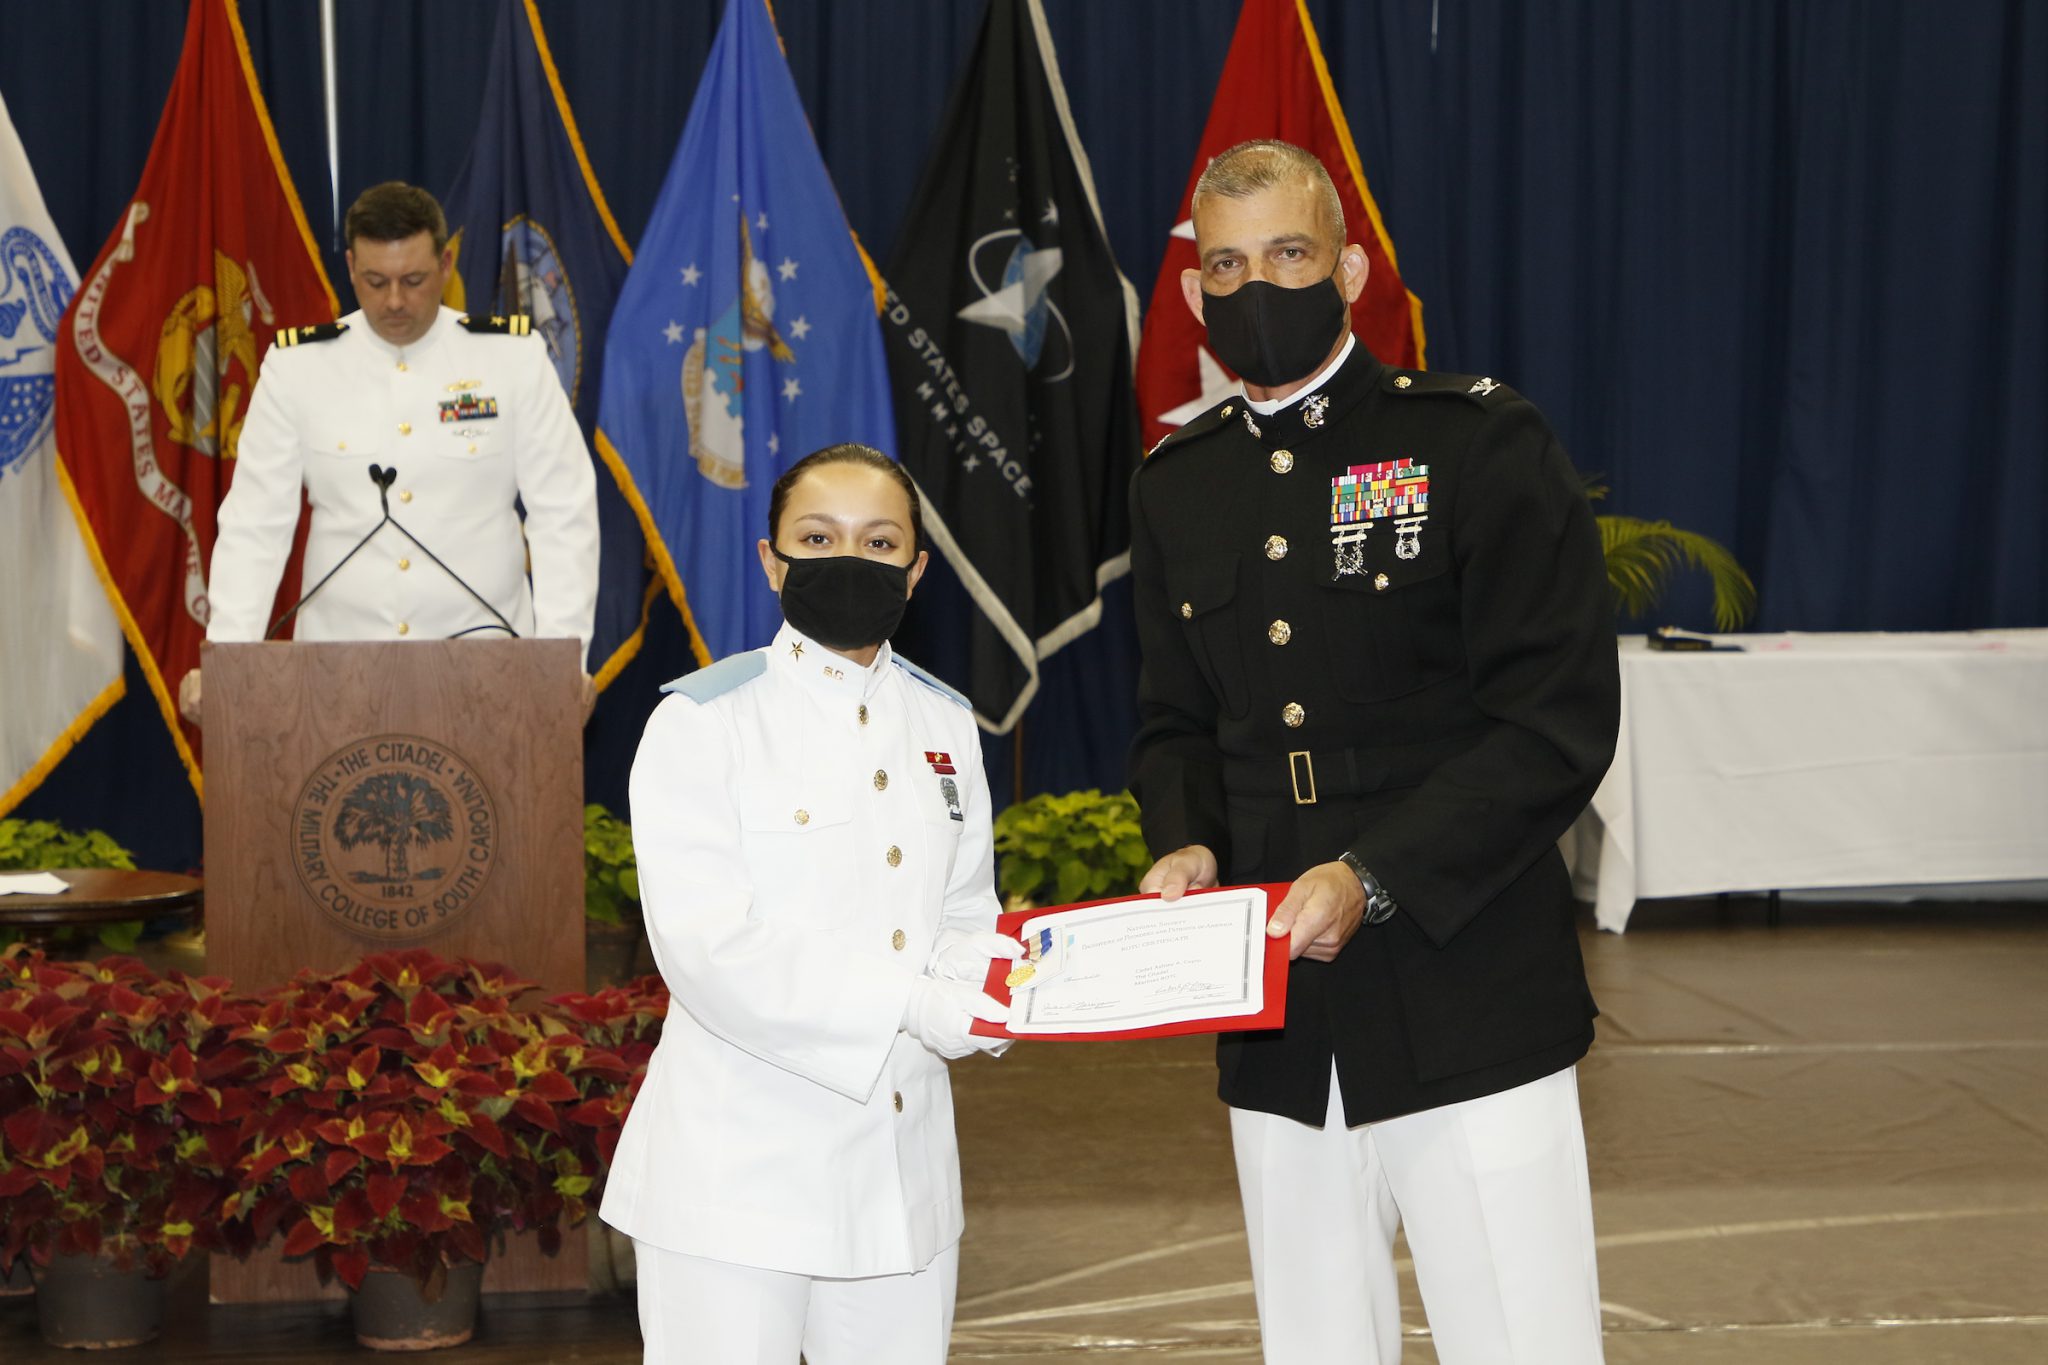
[32,884]
[1144,963]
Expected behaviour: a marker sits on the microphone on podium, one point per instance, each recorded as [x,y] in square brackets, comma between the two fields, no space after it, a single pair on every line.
[384,477]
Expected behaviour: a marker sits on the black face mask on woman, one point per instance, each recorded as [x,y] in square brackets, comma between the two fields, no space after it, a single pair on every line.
[844,601]
[1272,335]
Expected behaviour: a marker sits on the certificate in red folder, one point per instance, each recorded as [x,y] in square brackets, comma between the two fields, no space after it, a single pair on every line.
[1140,967]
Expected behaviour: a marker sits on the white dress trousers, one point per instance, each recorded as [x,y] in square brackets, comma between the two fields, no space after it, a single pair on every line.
[696,1311]
[472,423]
[1493,1195]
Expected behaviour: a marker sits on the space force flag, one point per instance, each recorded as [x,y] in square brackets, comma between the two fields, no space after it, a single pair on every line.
[1274,85]
[532,234]
[1010,333]
[744,339]
[60,647]
[159,352]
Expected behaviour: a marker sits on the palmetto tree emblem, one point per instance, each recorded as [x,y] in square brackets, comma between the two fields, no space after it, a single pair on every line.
[396,810]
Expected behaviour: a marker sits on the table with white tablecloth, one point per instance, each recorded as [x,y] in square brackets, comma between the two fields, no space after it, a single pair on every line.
[1821,761]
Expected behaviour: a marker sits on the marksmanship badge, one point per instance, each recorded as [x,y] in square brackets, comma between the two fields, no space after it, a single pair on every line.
[1366,494]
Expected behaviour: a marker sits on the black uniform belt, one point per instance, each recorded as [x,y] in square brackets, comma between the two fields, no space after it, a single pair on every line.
[1309,775]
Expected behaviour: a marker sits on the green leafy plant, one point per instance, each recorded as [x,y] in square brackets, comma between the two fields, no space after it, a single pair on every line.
[611,877]
[1643,555]
[1057,849]
[40,845]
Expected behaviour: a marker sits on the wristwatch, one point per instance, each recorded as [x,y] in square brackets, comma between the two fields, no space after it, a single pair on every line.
[1379,906]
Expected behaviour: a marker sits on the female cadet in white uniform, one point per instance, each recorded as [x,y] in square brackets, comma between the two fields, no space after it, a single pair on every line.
[814,843]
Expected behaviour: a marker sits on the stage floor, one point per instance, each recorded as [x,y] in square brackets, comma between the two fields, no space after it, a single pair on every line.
[1822,1143]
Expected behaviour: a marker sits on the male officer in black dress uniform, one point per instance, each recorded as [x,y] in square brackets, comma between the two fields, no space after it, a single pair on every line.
[1379,661]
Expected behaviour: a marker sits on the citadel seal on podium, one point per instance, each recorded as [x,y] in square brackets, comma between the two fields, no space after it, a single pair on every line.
[394,837]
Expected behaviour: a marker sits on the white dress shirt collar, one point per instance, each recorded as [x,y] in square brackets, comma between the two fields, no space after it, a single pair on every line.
[831,677]
[1267,407]
[444,322]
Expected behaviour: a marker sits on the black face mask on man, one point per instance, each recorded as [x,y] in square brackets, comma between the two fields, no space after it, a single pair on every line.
[844,601]
[1272,335]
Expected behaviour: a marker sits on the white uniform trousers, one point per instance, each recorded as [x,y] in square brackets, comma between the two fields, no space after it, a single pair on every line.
[697,1311]
[1499,1218]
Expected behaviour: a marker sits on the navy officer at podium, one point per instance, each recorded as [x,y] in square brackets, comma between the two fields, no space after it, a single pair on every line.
[1379,660]
[469,414]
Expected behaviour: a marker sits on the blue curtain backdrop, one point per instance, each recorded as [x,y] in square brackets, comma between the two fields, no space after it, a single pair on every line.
[1776,269]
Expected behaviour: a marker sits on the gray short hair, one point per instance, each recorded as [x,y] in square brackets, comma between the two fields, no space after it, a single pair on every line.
[1250,167]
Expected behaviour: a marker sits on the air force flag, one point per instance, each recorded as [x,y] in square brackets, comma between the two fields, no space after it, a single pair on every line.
[60,647]
[745,337]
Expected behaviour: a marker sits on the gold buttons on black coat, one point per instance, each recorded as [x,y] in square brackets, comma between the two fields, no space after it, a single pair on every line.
[1403,382]
[1282,461]
[1380,582]
[1279,632]
[1292,715]
[1276,547]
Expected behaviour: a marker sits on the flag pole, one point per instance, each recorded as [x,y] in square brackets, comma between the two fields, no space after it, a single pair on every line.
[330,96]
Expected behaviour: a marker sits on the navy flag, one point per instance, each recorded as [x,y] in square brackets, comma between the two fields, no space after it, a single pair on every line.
[532,234]
[1010,333]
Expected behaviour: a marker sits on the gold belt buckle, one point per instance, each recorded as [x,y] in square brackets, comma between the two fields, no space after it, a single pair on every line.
[1294,771]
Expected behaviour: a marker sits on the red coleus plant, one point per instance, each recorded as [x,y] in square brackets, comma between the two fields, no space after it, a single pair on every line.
[409,1113]
[122,1098]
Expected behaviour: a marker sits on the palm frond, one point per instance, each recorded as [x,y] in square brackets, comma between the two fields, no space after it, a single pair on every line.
[1643,555]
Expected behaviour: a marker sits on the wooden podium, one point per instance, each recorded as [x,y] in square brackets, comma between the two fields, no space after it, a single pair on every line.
[366,796]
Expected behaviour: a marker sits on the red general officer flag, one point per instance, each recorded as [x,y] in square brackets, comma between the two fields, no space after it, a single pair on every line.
[158,353]
[1274,85]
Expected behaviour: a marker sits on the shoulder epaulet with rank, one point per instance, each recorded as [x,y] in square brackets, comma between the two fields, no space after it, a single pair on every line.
[929,681]
[715,680]
[323,331]
[1481,389]
[1214,420]
[517,325]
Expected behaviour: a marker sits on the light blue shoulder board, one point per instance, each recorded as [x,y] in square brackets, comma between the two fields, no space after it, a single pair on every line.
[929,681]
[715,680]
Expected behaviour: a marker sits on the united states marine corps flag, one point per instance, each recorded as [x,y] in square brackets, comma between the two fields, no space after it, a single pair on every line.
[159,351]
[1010,334]
[1274,85]
[532,234]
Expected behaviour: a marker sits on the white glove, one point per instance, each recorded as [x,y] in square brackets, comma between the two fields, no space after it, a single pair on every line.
[966,958]
[939,1013]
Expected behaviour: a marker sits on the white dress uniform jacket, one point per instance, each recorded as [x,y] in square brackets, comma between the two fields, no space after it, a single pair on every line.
[802,854]
[470,421]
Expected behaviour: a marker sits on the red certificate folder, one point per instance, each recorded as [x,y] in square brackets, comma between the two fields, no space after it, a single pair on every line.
[1272,1016]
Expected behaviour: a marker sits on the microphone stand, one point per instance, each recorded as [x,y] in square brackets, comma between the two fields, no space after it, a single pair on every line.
[384,478]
